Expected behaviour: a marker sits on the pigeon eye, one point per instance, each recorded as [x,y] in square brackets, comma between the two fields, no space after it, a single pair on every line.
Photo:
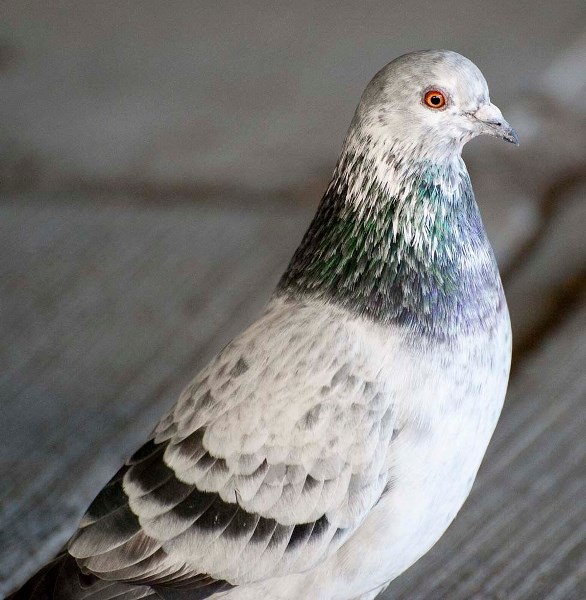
[434,99]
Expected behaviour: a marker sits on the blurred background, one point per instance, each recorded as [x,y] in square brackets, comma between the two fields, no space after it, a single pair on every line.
[159,162]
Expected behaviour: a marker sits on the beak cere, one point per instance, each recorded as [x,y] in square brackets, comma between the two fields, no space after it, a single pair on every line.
[493,123]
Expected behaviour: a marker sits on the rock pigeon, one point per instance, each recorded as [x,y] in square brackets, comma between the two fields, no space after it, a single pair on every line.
[328,447]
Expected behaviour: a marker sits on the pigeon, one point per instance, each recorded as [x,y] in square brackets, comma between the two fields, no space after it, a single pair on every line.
[329,446]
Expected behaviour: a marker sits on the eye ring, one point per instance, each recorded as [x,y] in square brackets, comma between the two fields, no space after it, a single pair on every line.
[435,99]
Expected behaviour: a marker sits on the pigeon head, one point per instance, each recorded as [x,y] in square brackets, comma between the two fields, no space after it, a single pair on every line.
[433,101]
[398,236]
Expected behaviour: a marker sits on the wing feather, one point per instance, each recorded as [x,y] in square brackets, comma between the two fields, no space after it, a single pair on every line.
[268,462]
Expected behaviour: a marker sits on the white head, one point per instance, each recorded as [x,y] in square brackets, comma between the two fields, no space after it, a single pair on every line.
[433,101]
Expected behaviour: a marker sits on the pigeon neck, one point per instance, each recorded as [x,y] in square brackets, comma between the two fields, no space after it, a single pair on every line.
[399,240]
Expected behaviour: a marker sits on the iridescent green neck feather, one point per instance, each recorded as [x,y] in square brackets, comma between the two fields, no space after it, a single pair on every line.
[400,241]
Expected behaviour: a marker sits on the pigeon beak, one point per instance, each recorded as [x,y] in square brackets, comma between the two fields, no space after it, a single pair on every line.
[493,123]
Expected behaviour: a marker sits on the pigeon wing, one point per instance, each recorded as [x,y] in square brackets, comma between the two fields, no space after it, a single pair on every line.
[268,462]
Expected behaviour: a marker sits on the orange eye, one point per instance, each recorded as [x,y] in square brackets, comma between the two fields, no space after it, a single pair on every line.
[434,99]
